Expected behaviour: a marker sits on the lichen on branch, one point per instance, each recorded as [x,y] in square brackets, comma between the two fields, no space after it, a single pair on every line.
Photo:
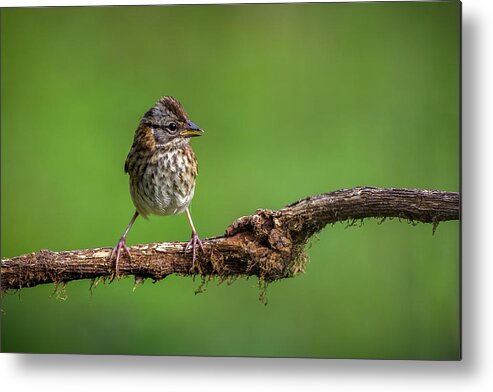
[268,244]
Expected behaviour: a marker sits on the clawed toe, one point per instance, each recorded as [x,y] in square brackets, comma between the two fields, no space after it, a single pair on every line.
[192,244]
[116,251]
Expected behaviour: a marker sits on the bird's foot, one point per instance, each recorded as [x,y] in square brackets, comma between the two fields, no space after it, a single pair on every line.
[116,251]
[192,244]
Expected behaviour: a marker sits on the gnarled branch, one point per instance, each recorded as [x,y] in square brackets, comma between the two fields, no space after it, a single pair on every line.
[268,244]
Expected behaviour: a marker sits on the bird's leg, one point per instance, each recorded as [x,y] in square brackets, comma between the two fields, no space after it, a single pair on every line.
[194,240]
[122,244]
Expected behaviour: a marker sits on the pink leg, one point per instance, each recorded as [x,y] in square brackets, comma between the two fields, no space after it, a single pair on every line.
[195,240]
[121,244]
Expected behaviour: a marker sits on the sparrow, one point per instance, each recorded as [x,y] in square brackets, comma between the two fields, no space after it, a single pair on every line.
[162,169]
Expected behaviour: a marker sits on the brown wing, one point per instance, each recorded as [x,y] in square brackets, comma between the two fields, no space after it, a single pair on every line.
[126,162]
[143,142]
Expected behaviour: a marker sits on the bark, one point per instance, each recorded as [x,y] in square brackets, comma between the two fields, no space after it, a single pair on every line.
[268,244]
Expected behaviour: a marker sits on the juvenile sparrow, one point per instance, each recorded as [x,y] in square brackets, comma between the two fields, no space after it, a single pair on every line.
[162,168]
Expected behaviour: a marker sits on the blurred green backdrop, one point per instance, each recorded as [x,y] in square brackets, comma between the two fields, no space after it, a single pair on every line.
[296,100]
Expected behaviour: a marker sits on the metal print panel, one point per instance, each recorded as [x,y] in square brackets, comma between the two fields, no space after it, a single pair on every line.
[316,216]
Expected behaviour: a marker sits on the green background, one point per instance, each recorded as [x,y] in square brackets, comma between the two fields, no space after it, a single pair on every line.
[295,100]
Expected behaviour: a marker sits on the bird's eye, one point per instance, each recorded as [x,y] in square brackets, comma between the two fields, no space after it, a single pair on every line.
[172,127]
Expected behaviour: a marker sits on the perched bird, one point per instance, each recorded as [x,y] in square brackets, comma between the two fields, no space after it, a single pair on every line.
[162,168]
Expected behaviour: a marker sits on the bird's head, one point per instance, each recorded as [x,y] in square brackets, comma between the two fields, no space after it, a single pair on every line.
[168,122]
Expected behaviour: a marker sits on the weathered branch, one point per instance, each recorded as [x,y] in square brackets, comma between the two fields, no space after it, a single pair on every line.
[268,244]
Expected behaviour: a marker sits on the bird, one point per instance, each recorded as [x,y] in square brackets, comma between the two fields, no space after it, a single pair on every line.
[162,169]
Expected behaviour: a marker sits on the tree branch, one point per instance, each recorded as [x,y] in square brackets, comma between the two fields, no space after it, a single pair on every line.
[268,244]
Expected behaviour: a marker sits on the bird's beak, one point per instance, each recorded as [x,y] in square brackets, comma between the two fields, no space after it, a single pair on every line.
[191,130]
